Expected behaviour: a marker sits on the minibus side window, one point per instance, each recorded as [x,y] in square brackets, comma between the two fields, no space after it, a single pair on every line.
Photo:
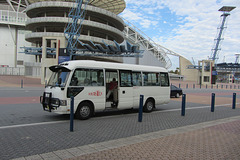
[137,78]
[87,77]
[164,79]
[151,79]
[126,79]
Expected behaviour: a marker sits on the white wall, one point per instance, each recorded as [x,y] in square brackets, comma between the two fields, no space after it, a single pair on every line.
[22,43]
[7,46]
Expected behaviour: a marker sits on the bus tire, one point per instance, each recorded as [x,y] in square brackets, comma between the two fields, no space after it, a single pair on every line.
[84,111]
[149,105]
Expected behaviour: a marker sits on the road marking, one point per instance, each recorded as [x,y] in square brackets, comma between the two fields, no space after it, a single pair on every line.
[31,124]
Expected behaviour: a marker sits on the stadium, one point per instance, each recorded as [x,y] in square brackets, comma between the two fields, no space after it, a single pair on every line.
[34,33]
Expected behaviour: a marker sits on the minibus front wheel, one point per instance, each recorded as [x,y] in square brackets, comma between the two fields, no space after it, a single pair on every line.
[84,111]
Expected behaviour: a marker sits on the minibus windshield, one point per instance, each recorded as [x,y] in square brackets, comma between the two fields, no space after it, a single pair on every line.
[58,79]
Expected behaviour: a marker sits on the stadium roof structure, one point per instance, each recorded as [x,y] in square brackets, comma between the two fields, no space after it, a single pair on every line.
[115,6]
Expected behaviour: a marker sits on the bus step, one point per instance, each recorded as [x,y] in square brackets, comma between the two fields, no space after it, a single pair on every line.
[108,104]
[111,109]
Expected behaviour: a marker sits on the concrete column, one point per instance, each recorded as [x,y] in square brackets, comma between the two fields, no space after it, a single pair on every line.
[47,62]
[15,47]
[43,70]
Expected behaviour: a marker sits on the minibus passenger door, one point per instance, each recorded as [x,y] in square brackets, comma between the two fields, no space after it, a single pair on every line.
[125,90]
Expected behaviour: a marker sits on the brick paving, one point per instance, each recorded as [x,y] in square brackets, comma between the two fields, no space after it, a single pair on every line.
[19,100]
[218,140]
[15,81]
[207,99]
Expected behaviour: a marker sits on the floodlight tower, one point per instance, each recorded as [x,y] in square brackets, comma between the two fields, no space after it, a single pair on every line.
[237,57]
[226,12]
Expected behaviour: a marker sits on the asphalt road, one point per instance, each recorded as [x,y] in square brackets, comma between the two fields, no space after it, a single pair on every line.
[25,129]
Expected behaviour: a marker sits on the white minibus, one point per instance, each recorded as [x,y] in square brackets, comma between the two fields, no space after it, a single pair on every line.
[100,86]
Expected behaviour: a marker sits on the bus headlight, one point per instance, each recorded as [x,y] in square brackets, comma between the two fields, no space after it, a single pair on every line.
[63,102]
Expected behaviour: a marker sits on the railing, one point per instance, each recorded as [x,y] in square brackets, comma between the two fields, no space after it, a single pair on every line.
[20,71]
[34,71]
[11,17]
[186,85]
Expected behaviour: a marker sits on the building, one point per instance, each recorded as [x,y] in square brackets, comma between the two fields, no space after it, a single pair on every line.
[12,31]
[47,20]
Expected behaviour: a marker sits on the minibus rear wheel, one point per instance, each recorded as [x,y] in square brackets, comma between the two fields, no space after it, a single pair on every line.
[149,105]
[84,111]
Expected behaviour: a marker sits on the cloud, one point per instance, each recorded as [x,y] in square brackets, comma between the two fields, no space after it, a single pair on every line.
[138,18]
[190,27]
[131,16]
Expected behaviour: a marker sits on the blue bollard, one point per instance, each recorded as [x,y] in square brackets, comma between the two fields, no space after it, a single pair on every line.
[183,104]
[186,86]
[71,113]
[140,111]
[21,83]
[193,86]
[213,102]
[234,101]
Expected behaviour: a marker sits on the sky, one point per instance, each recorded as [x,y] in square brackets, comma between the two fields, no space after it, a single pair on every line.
[187,27]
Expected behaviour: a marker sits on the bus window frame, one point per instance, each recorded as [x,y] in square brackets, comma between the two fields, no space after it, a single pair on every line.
[89,70]
[120,77]
[167,77]
[158,80]
[141,73]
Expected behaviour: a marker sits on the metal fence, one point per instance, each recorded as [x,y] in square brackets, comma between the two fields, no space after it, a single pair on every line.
[12,71]
[21,71]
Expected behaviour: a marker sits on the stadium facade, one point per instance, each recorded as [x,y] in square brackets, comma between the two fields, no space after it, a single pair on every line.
[12,31]
[43,24]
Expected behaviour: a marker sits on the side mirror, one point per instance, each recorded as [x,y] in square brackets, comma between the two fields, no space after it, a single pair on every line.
[46,83]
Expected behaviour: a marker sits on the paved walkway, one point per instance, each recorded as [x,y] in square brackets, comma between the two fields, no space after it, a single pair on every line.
[15,81]
[218,140]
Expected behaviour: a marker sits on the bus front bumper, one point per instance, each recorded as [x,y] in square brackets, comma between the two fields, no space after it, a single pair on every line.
[48,102]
